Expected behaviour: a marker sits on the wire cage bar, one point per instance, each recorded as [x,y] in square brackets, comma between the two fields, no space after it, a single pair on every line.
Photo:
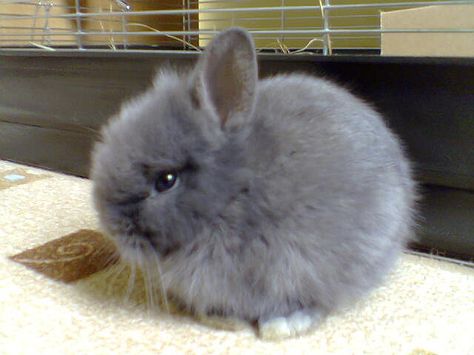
[288,26]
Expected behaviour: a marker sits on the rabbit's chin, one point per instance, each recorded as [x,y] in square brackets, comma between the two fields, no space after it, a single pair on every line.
[139,250]
[134,249]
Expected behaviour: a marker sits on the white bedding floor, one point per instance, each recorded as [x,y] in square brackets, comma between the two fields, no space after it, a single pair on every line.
[427,306]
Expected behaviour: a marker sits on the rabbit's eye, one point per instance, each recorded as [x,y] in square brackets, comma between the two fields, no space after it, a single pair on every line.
[165,180]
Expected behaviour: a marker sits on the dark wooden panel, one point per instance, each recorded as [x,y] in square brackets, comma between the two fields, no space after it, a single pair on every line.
[63,92]
[48,148]
[447,222]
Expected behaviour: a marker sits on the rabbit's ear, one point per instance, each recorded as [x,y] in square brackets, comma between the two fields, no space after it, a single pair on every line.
[225,77]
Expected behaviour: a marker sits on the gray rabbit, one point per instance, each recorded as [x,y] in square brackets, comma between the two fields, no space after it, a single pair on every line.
[274,201]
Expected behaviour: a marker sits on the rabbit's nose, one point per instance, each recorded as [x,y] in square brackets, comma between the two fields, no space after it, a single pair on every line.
[130,217]
[131,213]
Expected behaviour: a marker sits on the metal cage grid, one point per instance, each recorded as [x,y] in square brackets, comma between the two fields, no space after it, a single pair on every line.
[288,26]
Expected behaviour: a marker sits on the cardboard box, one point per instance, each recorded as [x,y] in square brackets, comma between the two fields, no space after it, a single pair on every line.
[429,44]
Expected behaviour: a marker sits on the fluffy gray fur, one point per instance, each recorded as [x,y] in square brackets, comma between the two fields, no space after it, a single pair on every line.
[293,195]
